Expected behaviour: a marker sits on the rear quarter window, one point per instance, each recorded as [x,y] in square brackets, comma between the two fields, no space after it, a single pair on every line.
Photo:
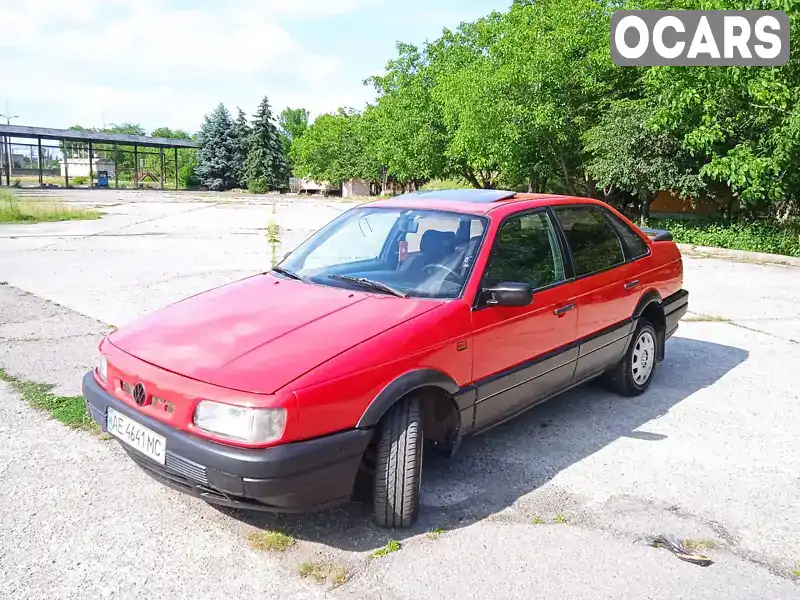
[634,244]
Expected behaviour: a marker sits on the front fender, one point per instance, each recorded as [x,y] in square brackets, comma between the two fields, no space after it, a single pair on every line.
[408,382]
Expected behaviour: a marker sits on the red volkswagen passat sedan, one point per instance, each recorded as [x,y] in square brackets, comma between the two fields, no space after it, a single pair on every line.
[422,318]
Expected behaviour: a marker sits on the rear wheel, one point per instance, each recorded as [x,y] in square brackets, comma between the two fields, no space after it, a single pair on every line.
[398,465]
[633,374]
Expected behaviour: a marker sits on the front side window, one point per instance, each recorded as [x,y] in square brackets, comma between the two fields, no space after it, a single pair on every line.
[594,245]
[418,253]
[526,251]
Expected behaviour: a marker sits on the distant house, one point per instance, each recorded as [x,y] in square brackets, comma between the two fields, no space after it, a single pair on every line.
[355,187]
[300,185]
[79,167]
[669,204]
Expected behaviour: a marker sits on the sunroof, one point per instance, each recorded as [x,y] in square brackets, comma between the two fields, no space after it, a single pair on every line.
[463,195]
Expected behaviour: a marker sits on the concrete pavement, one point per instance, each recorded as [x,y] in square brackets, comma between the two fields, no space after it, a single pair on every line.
[710,452]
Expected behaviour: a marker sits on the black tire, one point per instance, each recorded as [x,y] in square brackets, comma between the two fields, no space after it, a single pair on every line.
[398,465]
[623,378]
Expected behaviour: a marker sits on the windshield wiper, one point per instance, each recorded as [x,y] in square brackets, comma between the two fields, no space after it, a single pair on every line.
[288,273]
[369,284]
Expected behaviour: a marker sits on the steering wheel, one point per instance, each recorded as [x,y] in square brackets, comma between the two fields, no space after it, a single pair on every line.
[440,266]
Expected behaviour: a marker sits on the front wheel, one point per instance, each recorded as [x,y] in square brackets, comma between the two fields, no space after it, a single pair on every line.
[398,465]
[633,374]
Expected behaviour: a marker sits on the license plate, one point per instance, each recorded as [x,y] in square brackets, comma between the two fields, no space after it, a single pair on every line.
[137,436]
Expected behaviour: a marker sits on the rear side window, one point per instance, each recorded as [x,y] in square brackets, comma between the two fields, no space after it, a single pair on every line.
[634,244]
[594,244]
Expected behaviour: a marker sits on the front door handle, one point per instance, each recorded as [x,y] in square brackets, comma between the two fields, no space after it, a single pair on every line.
[632,284]
[560,312]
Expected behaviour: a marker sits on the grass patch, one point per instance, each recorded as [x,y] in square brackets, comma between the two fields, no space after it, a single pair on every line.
[322,572]
[700,544]
[435,533]
[270,541]
[796,571]
[560,519]
[702,318]
[753,236]
[70,410]
[392,546]
[537,520]
[13,210]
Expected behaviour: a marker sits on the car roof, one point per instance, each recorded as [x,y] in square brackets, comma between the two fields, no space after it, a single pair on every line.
[477,202]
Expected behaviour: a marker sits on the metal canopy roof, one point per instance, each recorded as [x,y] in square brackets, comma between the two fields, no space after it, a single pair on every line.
[478,196]
[23,131]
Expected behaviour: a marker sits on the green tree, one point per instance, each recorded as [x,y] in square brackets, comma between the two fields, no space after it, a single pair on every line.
[217,167]
[172,134]
[241,135]
[633,162]
[266,167]
[741,124]
[293,122]
[336,148]
[405,127]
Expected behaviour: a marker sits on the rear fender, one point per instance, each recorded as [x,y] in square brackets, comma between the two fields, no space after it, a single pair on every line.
[652,297]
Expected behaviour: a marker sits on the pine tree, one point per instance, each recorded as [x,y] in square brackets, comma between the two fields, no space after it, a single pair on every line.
[241,134]
[216,157]
[266,163]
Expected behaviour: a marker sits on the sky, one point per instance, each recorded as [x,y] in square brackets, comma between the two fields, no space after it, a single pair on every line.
[169,62]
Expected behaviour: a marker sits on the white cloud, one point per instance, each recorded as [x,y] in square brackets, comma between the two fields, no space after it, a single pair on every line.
[85,61]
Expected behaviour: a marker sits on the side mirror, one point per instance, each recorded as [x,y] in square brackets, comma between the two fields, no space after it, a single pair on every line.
[509,293]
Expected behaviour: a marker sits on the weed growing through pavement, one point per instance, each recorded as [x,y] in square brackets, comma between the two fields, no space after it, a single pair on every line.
[270,541]
[392,546]
[322,572]
[700,544]
[273,233]
[702,318]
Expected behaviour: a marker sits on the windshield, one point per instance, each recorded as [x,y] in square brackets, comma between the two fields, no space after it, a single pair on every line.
[405,252]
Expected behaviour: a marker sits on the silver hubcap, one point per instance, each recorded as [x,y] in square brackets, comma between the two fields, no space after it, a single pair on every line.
[644,357]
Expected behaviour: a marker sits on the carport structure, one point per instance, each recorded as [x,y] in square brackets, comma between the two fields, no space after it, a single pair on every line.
[99,148]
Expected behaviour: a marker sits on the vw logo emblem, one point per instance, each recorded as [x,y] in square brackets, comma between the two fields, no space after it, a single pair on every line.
[139,394]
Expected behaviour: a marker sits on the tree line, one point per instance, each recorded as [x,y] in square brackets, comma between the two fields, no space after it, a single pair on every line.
[530,99]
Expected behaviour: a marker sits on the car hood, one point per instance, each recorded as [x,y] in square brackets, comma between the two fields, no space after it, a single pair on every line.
[261,333]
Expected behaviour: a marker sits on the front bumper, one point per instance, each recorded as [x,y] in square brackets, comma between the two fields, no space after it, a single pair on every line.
[294,477]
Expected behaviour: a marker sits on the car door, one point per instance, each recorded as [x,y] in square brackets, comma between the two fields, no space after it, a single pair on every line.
[517,356]
[606,293]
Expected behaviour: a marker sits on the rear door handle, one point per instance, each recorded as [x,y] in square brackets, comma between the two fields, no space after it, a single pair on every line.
[560,312]
[632,284]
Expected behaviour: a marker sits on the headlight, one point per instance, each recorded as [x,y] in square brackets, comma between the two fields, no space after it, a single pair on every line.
[254,425]
[102,368]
